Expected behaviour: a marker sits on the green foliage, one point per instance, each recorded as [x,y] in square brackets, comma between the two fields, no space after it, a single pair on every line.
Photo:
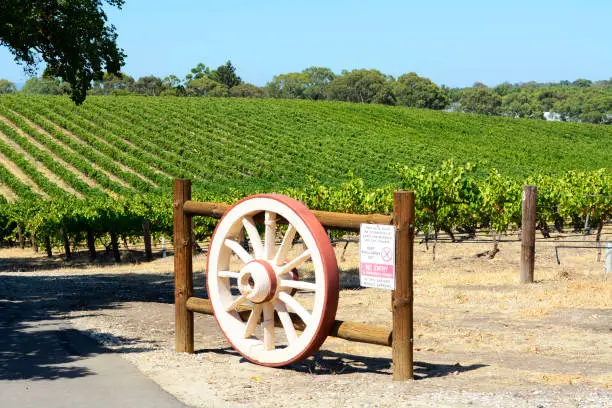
[311,83]
[205,87]
[42,86]
[226,75]
[7,86]
[247,91]
[149,85]
[362,86]
[254,145]
[287,86]
[445,198]
[114,84]
[480,100]
[417,92]
[71,37]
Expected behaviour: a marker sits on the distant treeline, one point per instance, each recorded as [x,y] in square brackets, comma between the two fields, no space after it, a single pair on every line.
[577,101]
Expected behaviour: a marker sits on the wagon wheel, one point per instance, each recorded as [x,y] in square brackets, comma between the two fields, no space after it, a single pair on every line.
[267,280]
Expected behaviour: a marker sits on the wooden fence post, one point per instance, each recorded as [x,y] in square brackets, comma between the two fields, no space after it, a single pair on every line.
[402,296]
[528,228]
[183,273]
[146,233]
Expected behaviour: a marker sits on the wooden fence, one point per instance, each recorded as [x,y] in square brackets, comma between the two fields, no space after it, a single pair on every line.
[400,338]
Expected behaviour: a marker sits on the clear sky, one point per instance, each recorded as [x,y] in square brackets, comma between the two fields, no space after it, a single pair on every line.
[453,42]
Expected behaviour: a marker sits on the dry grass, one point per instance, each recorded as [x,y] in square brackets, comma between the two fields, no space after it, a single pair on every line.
[472,310]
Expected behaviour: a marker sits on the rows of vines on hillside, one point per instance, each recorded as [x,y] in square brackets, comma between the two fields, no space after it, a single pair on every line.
[450,199]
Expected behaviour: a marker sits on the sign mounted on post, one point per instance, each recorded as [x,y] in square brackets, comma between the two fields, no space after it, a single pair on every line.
[377,256]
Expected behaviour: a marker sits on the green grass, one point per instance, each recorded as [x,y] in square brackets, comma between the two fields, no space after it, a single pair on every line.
[252,144]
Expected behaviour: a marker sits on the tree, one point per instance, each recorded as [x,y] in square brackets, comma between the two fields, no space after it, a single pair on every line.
[226,75]
[287,86]
[505,88]
[418,92]
[317,79]
[198,72]
[582,83]
[205,87]
[521,105]
[149,85]
[247,91]
[71,37]
[362,85]
[43,86]
[480,100]
[114,84]
[7,86]
[172,86]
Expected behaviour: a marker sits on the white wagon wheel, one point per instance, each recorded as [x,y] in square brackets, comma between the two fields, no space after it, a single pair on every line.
[267,280]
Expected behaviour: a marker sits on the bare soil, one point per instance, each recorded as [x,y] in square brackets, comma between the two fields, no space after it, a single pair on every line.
[481,338]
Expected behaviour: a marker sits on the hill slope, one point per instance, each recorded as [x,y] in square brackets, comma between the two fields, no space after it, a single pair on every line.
[117,144]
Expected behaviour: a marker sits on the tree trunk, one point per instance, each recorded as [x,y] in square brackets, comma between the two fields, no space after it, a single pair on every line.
[48,246]
[434,244]
[91,245]
[20,236]
[67,254]
[146,233]
[115,244]
[598,239]
[34,242]
[543,226]
[495,250]
[196,247]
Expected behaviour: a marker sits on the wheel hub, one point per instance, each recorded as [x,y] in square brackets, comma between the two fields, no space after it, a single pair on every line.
[257,281]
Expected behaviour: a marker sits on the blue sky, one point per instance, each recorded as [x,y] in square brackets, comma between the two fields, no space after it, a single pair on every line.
[452,42]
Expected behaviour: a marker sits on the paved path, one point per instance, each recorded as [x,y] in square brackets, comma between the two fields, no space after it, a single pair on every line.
[44,362]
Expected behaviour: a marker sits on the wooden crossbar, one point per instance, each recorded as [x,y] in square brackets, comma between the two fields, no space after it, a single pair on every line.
[400,338]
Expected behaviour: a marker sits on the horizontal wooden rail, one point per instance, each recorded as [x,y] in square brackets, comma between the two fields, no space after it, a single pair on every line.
[359,332]
[215,210]
[341,221]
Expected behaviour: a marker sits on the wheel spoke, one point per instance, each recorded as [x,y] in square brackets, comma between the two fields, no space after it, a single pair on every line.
[283,315]
[270,235]
[295,262]
[294,305]
[268,326]
[237,302]
[228,274]
[285,245]
[254,238]
[252,322]
[294,284]
[238,250]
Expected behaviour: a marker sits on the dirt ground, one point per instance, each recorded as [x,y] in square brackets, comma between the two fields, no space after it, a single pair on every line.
[481,338]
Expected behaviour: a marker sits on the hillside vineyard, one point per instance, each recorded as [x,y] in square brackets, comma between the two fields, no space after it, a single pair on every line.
[109,164]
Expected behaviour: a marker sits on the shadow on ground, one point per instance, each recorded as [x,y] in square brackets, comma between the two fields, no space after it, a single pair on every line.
[36,340]
[33,313]
[327,362]
[79,260]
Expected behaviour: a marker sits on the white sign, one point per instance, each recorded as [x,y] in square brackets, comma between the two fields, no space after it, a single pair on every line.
[377,256]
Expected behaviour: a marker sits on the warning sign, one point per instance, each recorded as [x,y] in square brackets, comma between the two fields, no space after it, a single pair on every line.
[377,256]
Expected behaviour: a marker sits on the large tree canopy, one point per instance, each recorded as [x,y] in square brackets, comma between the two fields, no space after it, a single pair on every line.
[70,36]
